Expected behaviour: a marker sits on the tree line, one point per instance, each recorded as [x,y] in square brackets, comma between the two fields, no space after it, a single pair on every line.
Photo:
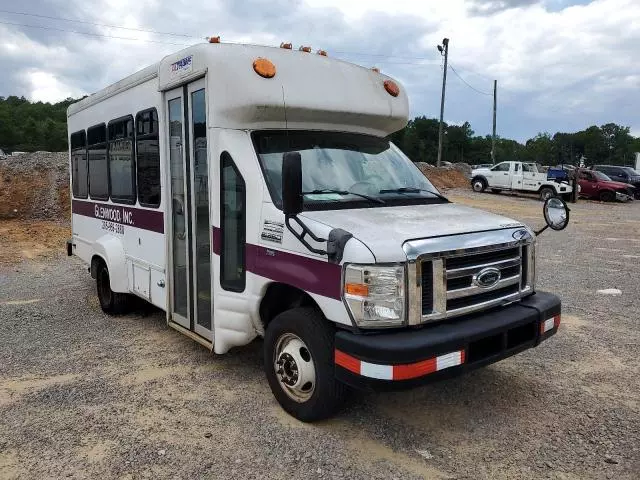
[30,126]
[606,144]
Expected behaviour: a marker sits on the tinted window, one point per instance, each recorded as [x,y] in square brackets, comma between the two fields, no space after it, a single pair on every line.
[232,224]
[148,158]
[98,167]
[121,163]
[501,167]
[79,164]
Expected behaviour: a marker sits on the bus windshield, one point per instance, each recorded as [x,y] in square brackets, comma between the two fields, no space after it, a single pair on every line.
[344,170]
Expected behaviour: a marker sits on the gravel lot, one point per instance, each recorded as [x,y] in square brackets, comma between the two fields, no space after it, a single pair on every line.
[83,395]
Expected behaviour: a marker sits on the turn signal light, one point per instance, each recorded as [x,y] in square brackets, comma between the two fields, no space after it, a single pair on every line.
[322,52]
[214,39]
[264,68]
[288,46]
[392,88]
[357,289]
[305,49]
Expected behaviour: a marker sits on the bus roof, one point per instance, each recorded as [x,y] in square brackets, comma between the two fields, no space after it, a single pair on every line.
[308,91]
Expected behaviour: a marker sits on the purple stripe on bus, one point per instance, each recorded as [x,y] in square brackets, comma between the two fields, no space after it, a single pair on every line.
[152,220]
[309,274]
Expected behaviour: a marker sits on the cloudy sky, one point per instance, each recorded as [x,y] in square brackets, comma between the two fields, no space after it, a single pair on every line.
[561,65]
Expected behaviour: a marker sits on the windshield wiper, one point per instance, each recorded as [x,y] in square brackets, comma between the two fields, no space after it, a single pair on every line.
[413,190]
[346,192]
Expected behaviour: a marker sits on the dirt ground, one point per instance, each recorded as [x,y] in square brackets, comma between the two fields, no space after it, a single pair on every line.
[84,395]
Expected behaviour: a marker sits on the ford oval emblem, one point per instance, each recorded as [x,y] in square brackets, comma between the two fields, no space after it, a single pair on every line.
[487,277]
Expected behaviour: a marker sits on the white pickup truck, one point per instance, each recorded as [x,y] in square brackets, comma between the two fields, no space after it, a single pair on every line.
[518,176]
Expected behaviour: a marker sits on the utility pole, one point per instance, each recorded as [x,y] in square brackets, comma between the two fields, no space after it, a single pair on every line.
[444,50]
[493,136]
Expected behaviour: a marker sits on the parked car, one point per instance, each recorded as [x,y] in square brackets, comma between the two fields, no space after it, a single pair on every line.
[621,174]
[597,185]
[520,177]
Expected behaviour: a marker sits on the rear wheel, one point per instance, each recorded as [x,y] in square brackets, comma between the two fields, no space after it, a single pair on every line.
[113,303]
[546,193]
[298,363]
[607,196]
[479,185]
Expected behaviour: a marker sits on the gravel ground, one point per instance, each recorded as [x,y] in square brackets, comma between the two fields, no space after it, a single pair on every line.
[83,395]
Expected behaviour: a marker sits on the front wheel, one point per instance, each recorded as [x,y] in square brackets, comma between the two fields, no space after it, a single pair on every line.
[607,196]
[299,365]
[479,185]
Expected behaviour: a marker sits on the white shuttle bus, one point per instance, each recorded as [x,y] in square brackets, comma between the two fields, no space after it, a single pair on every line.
[252,192]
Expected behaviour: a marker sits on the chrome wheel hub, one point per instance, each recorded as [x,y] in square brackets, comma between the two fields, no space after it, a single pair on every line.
[294,367]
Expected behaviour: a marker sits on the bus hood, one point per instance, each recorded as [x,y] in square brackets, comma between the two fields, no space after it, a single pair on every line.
[385,229]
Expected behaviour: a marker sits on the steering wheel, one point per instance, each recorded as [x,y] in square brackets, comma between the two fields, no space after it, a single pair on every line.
[371,185]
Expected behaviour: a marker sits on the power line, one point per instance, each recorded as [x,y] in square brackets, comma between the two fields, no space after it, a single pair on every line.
[92,34]
[467,84]
[98,24]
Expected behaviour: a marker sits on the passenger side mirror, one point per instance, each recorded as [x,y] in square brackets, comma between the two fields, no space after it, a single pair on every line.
[291,183]
[556,214]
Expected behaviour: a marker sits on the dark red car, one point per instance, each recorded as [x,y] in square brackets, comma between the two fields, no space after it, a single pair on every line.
[598,186]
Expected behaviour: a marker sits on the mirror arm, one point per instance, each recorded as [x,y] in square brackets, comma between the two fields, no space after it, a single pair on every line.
[541,230]
[305,231]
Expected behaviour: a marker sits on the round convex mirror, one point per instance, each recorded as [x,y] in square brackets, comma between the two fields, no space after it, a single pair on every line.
[556,213]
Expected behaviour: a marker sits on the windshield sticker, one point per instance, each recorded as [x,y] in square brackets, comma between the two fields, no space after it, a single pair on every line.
[323,196]
[182,66]
[272,231]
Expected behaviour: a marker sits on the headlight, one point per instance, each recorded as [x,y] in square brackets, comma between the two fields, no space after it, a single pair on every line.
[375,294]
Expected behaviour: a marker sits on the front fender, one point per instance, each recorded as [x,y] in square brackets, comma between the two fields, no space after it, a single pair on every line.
[111,250]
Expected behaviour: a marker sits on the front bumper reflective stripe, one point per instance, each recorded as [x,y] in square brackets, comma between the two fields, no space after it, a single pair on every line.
[399,372]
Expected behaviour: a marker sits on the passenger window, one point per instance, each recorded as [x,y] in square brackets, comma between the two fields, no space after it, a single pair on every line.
[232,224]
[98,167]
[121,164]
[148,158]
[79,164]
[501,167]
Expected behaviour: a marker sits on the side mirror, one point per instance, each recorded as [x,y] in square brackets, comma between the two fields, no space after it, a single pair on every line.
[556,214]
[291,183]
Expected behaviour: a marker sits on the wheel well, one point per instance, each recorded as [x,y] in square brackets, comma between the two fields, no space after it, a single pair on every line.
[479,177]
[96,261]
[548,186]
[281,297]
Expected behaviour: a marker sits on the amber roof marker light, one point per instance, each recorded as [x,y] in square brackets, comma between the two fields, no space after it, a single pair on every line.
[286,46]
[305,49]
[264,67]
[392,88]
[214,39]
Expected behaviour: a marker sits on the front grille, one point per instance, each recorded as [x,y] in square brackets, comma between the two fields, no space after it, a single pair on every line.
[482,297]
[464,292]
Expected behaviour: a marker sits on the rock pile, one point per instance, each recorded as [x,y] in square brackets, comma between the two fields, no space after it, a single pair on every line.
[35,186]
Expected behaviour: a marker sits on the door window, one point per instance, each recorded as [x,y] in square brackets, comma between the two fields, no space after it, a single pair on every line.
[501,167]
[232,224]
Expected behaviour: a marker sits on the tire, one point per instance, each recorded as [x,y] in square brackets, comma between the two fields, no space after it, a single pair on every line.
[112,303]
[546,193]
[496,190]
[305,334]
[479,185]
[607,196]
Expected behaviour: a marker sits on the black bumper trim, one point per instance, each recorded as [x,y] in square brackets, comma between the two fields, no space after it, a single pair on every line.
[486,338]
